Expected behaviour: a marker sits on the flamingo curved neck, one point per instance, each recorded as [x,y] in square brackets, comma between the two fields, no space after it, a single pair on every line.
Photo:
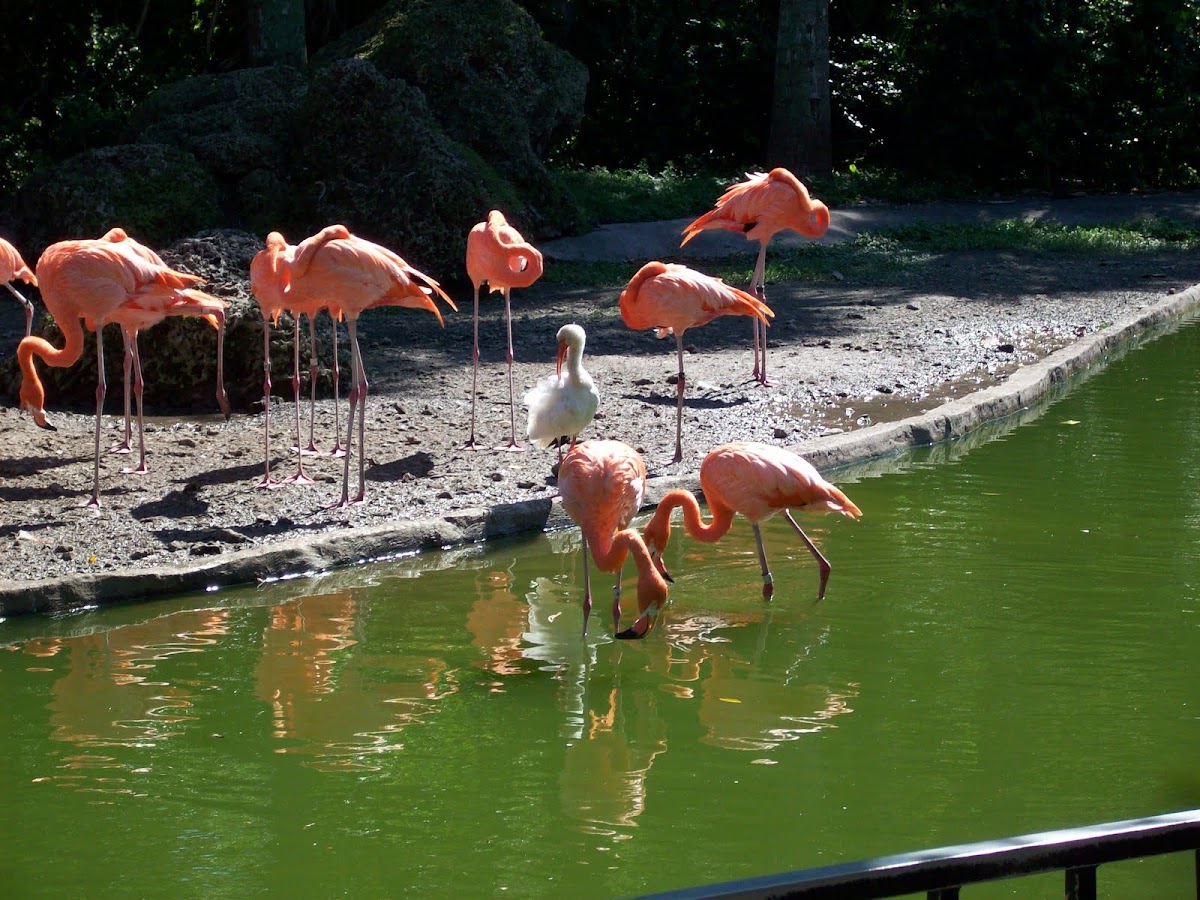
[693,523]
[32,393]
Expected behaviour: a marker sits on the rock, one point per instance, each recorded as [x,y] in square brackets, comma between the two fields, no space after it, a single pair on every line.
[157,193]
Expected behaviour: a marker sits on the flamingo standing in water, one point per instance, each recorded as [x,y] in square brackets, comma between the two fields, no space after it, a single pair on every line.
[354,275]
[603,484]
[671,299]
[13,267]
[92,281]
[498,255]
[149,311]
[272,285]
[758,481]
[562,406]
[760,207]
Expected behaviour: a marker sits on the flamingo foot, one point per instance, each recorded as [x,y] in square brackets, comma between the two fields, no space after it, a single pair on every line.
[311,450]
[268,484]
[510,447]
[337,451]
[140,469]
[122,447]
[298,478]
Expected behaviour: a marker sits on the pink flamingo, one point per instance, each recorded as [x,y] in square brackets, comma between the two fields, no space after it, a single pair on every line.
[271,284]
[90,281]
[354,275]
[498,255]
[603,485]
[671,299]
[760,207]
[758,481]
[147,312]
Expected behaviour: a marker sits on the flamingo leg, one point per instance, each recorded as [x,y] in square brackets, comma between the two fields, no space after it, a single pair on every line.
[338,449]
[616,607]
[138,390]
[679,401]
[760,329]
[299,477]
[27,303]
[768,581]
[267,480]
[358,400]
[101,391]
[817,555]
[126,445]
[222,400]
[311,449]
[512,406]
[587,589]
[470,444]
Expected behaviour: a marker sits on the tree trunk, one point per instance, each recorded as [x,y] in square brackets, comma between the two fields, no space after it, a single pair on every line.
[276,33]
[800,137]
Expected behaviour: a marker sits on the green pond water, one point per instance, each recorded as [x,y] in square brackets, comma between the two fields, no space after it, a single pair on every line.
[1009,644]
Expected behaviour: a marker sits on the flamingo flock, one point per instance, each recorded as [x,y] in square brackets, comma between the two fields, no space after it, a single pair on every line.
[88,283]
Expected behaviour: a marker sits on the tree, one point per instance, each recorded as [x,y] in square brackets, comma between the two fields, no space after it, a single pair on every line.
[276,34]
[800,118]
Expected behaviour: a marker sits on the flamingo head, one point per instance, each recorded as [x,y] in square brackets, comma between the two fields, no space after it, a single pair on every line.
[33,399]
[651,588]
[656,534]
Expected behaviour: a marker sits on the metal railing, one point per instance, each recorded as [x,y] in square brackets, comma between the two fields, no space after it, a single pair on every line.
[943,872]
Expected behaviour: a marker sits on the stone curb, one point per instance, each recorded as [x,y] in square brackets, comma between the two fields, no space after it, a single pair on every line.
[310,555]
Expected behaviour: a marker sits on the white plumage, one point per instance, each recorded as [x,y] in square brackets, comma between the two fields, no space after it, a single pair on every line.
[563,404]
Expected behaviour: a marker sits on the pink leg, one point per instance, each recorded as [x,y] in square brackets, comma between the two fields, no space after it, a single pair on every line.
[587,589]
[311,449]
[299,477]
[138,389]
[679,401]
[760,330]
[101,390]
[24,301]
[616,607]
[267,480]
[822,562]
[358,400]
[512,406]
[126,445]
[471,444]
[222,400]
[768,580]
[338,450]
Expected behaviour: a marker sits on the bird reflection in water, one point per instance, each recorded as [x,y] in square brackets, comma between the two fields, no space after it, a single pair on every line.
[328,699]
[114,693]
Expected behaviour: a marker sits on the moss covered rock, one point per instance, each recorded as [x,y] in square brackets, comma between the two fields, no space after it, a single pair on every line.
[155,192]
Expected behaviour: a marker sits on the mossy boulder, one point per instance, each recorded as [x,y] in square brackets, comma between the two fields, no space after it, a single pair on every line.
[234,123]
[494,84]
[155,192]
[388,172]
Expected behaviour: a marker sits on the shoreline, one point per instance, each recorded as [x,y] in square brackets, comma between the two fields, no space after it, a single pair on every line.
[340,547]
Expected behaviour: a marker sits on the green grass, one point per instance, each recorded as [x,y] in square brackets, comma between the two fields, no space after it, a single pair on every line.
[637,195]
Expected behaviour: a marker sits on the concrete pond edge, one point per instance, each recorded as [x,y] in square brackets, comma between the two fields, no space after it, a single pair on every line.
[315,554]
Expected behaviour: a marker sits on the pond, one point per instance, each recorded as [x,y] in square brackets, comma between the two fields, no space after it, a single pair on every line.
[1008,645]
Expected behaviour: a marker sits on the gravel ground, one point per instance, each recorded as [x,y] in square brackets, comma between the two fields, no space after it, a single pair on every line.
[842,356]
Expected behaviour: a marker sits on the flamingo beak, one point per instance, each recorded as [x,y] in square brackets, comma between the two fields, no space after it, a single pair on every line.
[632,633]
[656,557]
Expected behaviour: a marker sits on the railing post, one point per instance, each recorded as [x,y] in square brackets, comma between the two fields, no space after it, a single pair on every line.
[1081,883]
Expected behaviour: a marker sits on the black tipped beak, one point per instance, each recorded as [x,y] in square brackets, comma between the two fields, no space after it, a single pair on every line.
[47,426]
[628,635]
[667,577]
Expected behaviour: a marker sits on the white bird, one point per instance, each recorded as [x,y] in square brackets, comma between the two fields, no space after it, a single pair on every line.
[563,404]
